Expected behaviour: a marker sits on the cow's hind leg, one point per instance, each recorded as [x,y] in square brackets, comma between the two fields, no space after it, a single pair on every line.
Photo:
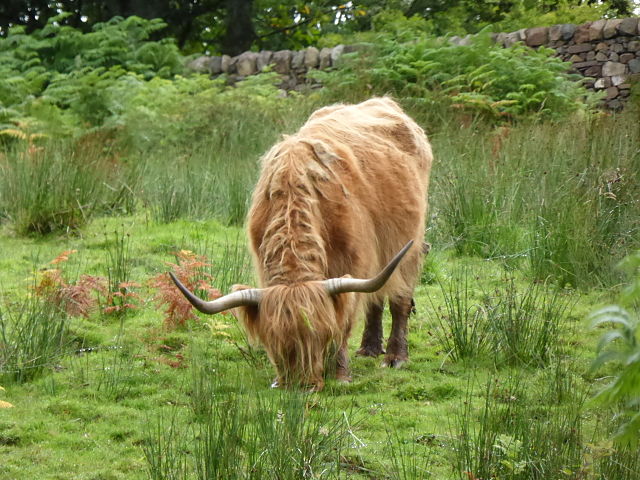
[397,352]
[371,345]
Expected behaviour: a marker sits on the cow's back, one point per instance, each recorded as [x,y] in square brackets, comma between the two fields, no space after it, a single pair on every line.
[366,171]
[383,160]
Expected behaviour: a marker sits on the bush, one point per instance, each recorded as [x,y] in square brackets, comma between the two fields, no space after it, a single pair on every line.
[33,336]
[622,347]
[60,72]
[56,187]
[481,77]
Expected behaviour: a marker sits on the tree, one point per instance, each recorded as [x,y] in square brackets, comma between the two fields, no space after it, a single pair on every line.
[473,15]
[227,26]
[233,26]
[240,33]
[186,19]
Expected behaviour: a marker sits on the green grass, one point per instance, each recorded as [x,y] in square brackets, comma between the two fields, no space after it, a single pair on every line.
[526,224]
[563,196]
[33,336]
[58,187]
[129,399]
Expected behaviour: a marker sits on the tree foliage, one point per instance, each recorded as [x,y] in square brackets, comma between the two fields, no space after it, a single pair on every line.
[60,76]
[185,19]
[233,26]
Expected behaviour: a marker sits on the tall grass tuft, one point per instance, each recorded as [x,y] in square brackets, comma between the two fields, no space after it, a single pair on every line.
[228,262]
[513,433]
[515,325]
[214,177]
[118,258]
[622,463]
[566,197]
[462,326]
[115,376]
[106,371]
[121,296]
[309,437]
[525,322]
[239,433]
[407,462]
[164,448]
[57,187]
[232,266]
[33,337]
[203,184]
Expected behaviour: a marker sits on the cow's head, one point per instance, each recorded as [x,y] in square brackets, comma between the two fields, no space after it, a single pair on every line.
[297,323]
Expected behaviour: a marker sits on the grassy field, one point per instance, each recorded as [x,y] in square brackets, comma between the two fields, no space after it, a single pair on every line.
[527,224]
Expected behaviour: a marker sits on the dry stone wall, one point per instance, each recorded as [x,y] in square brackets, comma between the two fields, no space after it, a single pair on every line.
[291,65]
[606,52]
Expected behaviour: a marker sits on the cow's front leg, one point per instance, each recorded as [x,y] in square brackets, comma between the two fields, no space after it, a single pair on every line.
[397,352]
[371,345]
[316,380]
[342,364]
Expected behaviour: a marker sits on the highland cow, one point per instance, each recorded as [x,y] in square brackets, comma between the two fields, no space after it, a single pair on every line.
[333,207]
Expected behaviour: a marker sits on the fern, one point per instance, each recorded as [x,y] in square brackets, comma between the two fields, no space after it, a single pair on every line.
[481,77]
[77,298]
[189,269]
[65,69]
[621,346]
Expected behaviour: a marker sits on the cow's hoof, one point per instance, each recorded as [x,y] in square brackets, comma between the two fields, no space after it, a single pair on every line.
[370,352]
[344,378]
[318,387]
[394,361]
[276,383]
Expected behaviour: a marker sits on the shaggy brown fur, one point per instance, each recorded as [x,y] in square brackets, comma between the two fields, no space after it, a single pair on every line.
[340,197]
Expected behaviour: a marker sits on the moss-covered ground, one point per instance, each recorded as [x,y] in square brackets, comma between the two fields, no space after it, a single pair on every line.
[98,407]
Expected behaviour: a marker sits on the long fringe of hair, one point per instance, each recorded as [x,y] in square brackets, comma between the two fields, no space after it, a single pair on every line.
[297,326]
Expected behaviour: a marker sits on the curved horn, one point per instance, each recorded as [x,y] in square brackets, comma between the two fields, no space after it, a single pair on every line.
[369,285]
[250,297]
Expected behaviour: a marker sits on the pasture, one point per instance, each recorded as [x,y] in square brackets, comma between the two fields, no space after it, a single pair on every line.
[527,223]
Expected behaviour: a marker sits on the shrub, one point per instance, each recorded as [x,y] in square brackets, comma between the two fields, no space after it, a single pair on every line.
[481,77]
[55,187]
[189,270]
[77,299]
[622,347]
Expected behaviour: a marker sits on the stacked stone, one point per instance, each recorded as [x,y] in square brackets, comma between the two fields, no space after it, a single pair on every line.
[292,66]
[606,52]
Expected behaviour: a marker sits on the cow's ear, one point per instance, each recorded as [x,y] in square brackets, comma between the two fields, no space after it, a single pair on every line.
[345,306]
[345,303]
[249,316]
[323,152]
